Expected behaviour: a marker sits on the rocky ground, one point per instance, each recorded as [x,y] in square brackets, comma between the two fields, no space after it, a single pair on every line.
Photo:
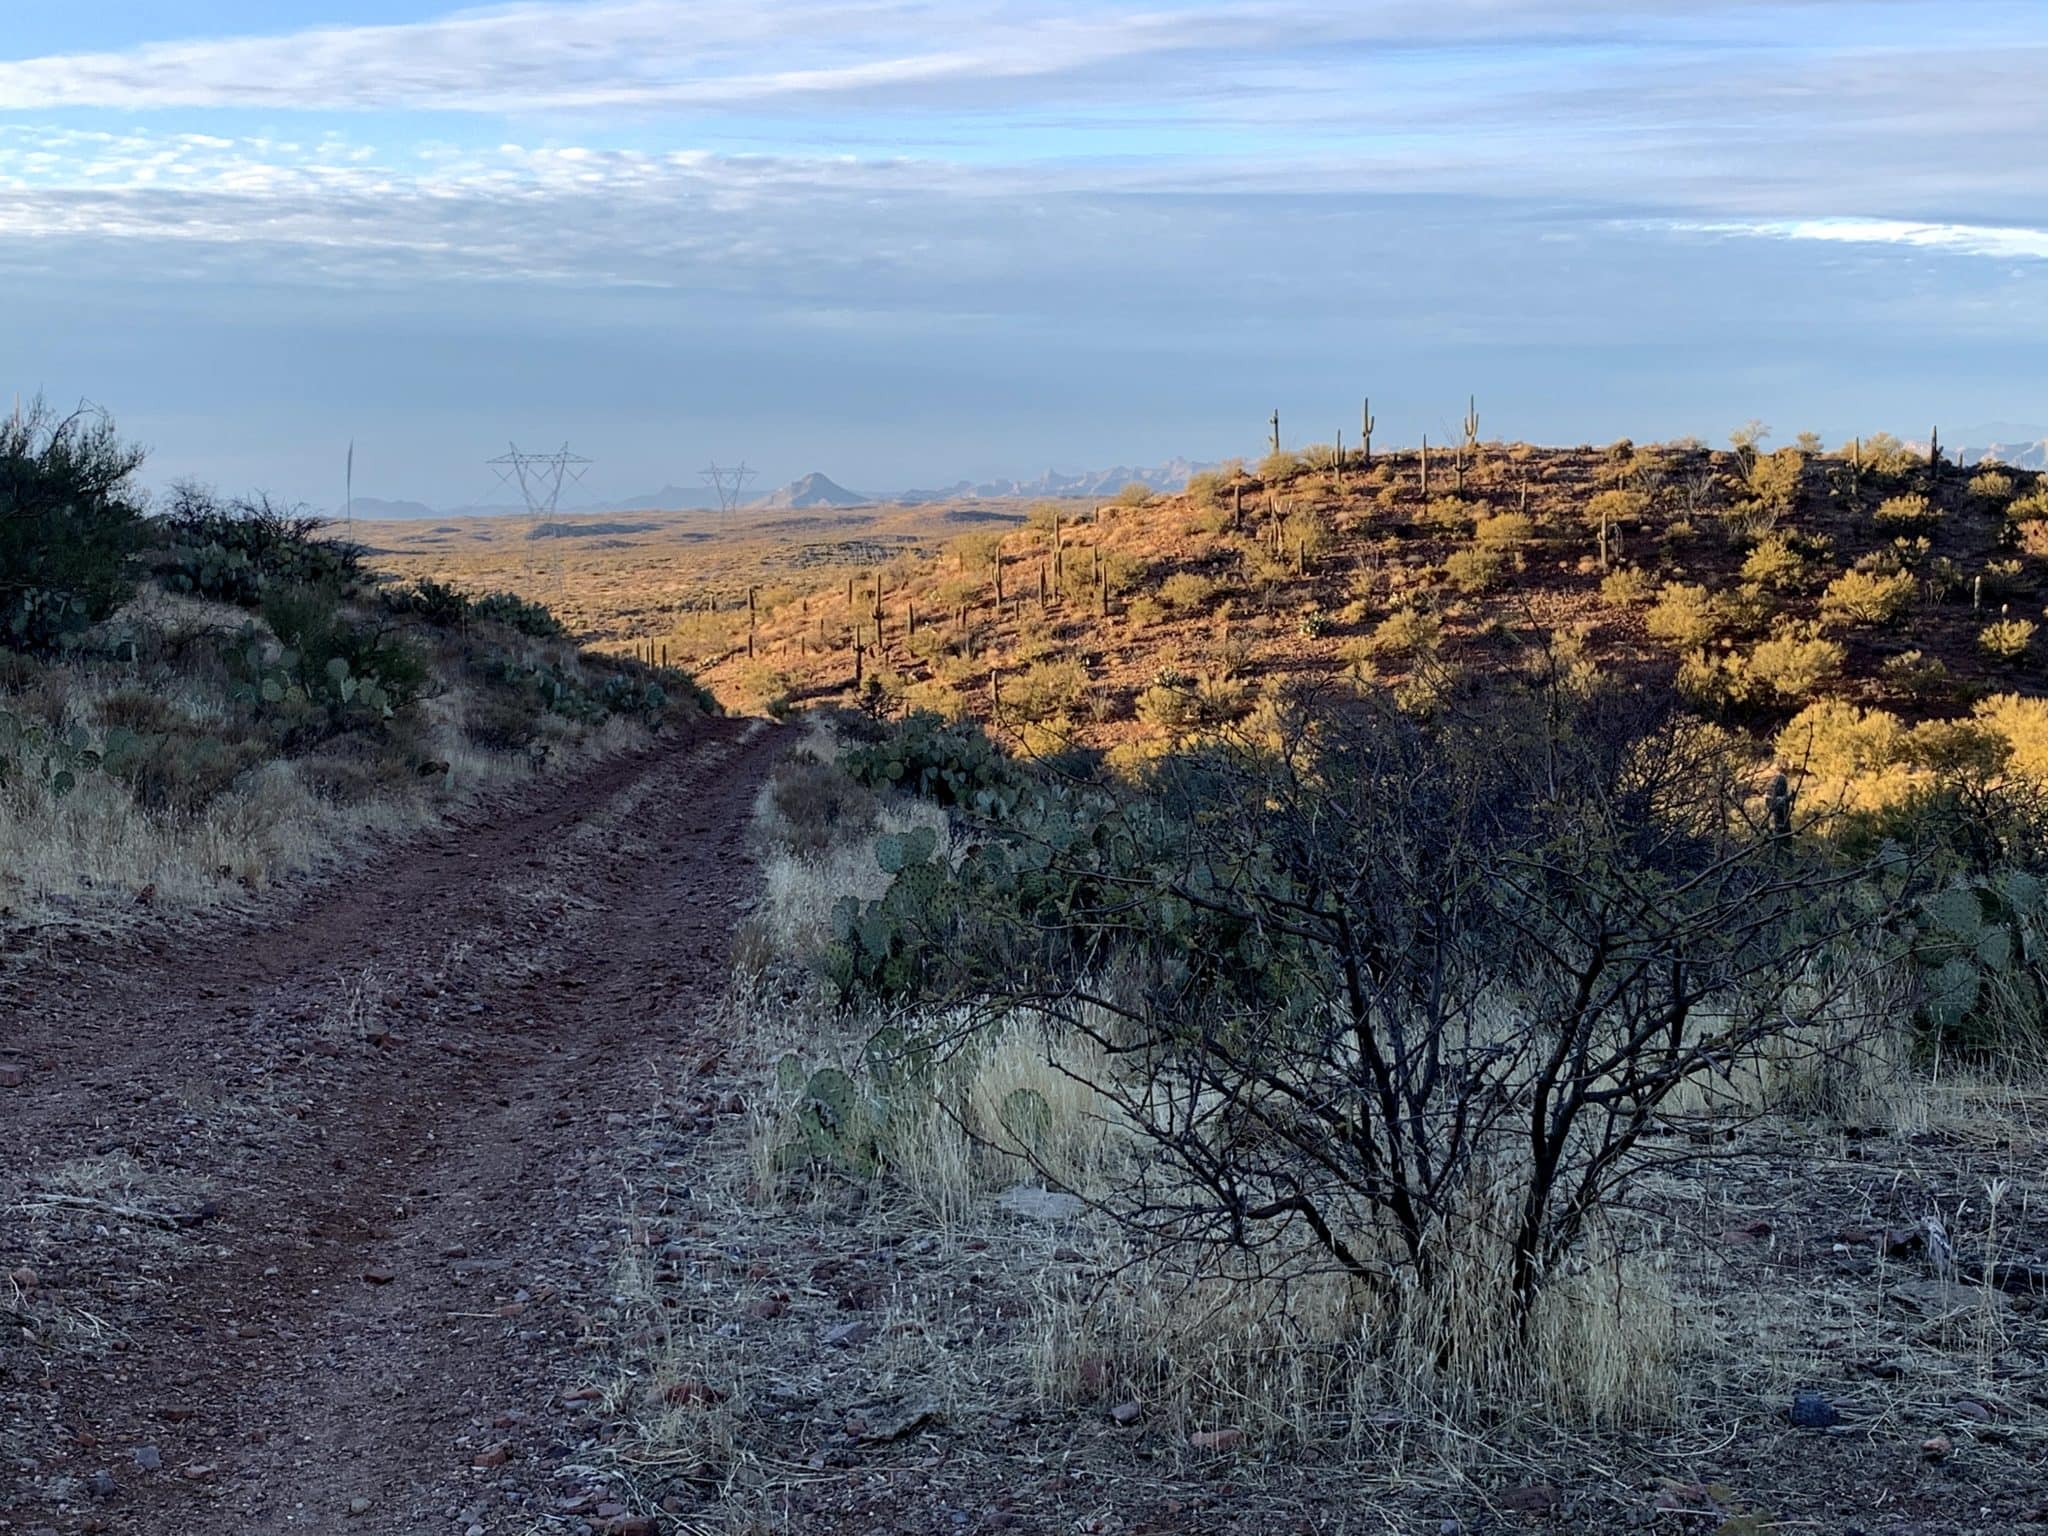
[306,1217]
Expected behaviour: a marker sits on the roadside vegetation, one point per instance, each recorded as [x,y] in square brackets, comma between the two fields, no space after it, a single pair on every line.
[1516,1102]
[200,697]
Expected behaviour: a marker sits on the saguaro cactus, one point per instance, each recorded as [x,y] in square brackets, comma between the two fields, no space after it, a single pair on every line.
[1365,424]
[1425,466]
[1276,429]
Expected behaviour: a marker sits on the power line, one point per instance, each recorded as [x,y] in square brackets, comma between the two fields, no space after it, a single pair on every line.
[729,483]
[540,477]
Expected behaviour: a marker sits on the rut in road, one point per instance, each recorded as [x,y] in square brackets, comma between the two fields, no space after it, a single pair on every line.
[386,1115]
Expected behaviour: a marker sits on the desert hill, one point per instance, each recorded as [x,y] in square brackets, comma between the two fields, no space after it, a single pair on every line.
[1763,581]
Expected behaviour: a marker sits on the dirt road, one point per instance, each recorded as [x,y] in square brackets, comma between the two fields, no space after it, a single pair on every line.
[307,1218]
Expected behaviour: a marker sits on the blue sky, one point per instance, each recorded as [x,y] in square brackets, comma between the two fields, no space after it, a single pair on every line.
[906,242]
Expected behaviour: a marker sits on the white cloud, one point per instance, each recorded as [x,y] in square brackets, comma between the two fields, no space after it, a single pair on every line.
[2002,242]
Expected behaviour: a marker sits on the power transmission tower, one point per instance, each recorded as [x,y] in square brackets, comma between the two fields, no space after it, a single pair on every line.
[729,483]
[540,477]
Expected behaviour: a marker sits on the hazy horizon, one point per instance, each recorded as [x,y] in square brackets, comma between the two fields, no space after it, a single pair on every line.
[906,244]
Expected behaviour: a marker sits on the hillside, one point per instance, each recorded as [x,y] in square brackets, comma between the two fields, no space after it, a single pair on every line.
[200,700]
[1762,581]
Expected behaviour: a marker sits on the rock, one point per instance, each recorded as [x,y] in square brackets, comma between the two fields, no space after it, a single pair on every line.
[25,1279]
[1216,1439]
[495,1456]
[1036,1204]
[1126,1414]
[359,1506]
[198,1471]
[1937,1447]
[380,1275]
[12,1074]
[149,1459]
[1810,1410]
[1530,1499]
[887,1423]
[847,1335]
[102,1484]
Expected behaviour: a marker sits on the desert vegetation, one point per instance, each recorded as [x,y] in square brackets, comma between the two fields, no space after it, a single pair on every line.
[201,696]
[1427,1100]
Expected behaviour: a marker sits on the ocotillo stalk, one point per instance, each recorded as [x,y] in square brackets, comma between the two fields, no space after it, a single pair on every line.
[1425,466]
[1366,424]
[1338,464]
[910,619]
[1300,556]
[1276,429]
[849,592]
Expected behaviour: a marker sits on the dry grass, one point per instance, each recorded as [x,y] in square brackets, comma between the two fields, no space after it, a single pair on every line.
[97,856]
[1007,1332]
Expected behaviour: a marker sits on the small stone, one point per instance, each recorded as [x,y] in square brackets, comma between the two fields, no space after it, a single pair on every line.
[1126,1414]
[380,1275]
[1216,1439]
[198,1471]
[1810,1410]
[12,1074]
[359,1506]
[1530,1499]
[1937,1447]
[149,1459]
[102,1484]
[847,1335]
[25,1278]
[496,1456]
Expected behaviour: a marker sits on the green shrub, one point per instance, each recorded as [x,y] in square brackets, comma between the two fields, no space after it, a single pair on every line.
[1046,689]
[1867,597]
[1684,616]
[1405,632]
[1910,511]
[1992,487]
[1795,668]
[234,551]
[1476,570]
[515,612]
[1775,564]
[1136,494]
[2007,639]
[951,762]
[69,525]
[1505,530]
[1627,584]
[1186,592]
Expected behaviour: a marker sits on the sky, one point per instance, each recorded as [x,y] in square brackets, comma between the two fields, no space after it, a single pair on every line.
[906,243]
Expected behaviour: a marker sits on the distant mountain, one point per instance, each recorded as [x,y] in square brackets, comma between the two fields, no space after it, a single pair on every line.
[813,490]
[1095,483]
[817,490]
[2022,445]
[670,498]
[373,510]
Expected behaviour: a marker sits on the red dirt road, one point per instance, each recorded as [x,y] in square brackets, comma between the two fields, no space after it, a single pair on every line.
[307,1215]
